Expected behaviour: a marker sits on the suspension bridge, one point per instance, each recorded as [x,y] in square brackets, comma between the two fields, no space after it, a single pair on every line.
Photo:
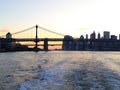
[37,39]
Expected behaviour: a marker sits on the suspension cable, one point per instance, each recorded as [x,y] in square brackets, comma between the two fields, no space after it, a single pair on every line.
[20,31]
[23,30]
[38,27]
[51,31]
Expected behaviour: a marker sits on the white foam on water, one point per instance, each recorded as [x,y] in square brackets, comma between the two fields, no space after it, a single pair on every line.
[89,72]
[48,79]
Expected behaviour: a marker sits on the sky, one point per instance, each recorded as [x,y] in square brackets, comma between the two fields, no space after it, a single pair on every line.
[69,17]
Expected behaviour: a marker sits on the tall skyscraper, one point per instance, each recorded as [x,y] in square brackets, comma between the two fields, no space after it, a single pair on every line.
[106,35]
[86,36]
[93,35]
[99,36]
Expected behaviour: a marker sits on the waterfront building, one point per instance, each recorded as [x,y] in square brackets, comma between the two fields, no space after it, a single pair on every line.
[86,36]
[8,44]
[106,35]
[93,35]
[81,43]
[77,45]
[8,35]
[106,45]
[67,43]
[99,36]
[82,37]
[100,43]
[114,37]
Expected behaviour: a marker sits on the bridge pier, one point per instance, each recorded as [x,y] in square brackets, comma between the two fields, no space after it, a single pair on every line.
[46,44]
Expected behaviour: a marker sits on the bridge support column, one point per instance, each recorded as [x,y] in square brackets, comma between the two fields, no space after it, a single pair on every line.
[36,38]
[46,44]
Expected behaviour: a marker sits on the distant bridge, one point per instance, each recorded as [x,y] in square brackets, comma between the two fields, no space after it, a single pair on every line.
[36,39]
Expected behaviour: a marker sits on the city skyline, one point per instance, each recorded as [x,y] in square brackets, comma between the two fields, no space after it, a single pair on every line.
[72,17]
[92,35]
[86,35]
[107,42]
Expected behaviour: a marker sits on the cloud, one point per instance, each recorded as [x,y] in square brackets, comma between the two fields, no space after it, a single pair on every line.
[3,30]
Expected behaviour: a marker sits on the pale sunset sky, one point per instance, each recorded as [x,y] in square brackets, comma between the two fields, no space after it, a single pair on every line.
[69,17]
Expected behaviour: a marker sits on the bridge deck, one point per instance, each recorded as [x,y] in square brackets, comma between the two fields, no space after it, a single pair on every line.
[57,39]
[61,39]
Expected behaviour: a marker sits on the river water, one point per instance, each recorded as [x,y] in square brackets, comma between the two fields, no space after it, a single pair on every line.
[60,70]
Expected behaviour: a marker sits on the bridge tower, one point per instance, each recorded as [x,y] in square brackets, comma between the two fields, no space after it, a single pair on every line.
[36,38]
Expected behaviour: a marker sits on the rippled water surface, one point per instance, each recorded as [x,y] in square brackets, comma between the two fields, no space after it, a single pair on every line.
[60,70]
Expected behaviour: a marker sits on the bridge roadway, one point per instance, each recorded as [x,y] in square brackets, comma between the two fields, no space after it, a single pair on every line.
[62,39]
[56,39]
[39,39]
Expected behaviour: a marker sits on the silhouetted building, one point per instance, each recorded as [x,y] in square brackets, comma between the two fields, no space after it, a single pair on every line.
[8,43]
[81,37]
[93,35]
[67,43]
[86,36]
[80,43]
[8,35]
[99,36]
[114,37]
[106,35]
[105,43]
